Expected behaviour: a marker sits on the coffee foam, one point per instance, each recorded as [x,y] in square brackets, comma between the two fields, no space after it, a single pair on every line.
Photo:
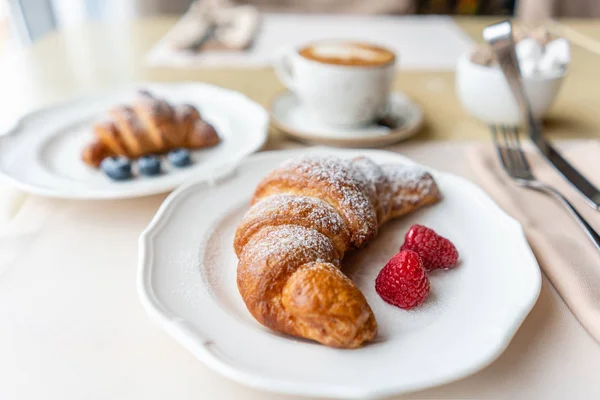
[348,53]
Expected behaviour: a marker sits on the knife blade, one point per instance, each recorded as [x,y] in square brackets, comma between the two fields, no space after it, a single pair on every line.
[574,177]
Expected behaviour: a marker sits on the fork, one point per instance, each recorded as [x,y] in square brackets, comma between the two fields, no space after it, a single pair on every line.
[499,36]
[514,162]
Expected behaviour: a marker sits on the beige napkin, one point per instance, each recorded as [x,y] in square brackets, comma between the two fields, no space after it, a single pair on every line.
[215,25]
[563,251]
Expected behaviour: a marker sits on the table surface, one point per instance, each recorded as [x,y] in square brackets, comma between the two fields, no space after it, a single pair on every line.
[72,341]
[99,55]
[72,326]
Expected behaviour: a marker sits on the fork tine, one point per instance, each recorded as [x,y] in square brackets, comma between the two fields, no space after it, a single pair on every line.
[521,153]
[500,149]
[512,157]
[512,149]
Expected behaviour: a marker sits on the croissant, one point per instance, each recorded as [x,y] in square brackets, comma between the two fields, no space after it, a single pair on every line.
[304,216]
[148,126]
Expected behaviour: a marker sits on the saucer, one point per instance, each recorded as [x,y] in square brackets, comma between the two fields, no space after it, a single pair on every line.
[289,116]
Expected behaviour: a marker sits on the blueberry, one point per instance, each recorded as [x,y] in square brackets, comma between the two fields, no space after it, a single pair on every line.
[179,157]
[117,168]
[149,165]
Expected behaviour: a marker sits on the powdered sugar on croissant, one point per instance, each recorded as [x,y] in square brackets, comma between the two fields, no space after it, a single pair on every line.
[305,215]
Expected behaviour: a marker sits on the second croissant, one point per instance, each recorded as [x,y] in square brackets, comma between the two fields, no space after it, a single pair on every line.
[149,126]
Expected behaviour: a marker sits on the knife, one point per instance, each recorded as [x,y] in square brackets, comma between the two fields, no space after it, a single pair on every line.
[499,36]
[574,177]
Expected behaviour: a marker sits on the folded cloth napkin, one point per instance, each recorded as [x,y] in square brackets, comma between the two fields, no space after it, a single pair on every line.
[565,254]
[215,25]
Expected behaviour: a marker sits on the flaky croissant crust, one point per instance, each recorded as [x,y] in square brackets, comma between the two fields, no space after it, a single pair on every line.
[149,126]
[304,216]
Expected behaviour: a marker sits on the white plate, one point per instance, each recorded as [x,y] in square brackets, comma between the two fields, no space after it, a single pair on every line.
[290,117]
[187,283]
[42,154]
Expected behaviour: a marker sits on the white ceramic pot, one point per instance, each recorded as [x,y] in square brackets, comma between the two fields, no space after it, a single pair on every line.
[484,92]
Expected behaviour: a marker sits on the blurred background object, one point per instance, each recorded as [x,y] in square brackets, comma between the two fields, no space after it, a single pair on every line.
[539,10]
[31,19]
[28,20]
[382,6]
[34,18]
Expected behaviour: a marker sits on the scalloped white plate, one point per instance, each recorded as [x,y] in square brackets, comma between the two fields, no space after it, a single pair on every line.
[41,154]
[187,284]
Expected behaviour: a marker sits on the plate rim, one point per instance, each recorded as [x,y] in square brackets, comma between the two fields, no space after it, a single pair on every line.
[14,129]
[320,139]
[187,335]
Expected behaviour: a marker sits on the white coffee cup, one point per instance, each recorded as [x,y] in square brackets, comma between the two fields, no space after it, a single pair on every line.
[341,83]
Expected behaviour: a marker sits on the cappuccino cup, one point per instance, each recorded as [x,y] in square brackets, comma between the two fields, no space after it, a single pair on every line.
[341,83]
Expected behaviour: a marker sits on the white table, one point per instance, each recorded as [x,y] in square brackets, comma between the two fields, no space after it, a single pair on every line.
[71,326]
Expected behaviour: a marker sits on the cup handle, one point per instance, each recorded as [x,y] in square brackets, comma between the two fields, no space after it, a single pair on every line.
[284,68]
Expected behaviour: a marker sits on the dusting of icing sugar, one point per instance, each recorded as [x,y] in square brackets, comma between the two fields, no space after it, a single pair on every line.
[128,114]
[409,183]
[321,215]
[367,184]
[373,173]
[355,189]
[158,108]
[282,244]
[371,170]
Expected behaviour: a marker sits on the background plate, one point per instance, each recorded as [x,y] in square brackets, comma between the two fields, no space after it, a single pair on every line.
[42,154]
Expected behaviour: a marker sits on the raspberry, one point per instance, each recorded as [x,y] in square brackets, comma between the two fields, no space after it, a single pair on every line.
[436,251]
[403,281]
